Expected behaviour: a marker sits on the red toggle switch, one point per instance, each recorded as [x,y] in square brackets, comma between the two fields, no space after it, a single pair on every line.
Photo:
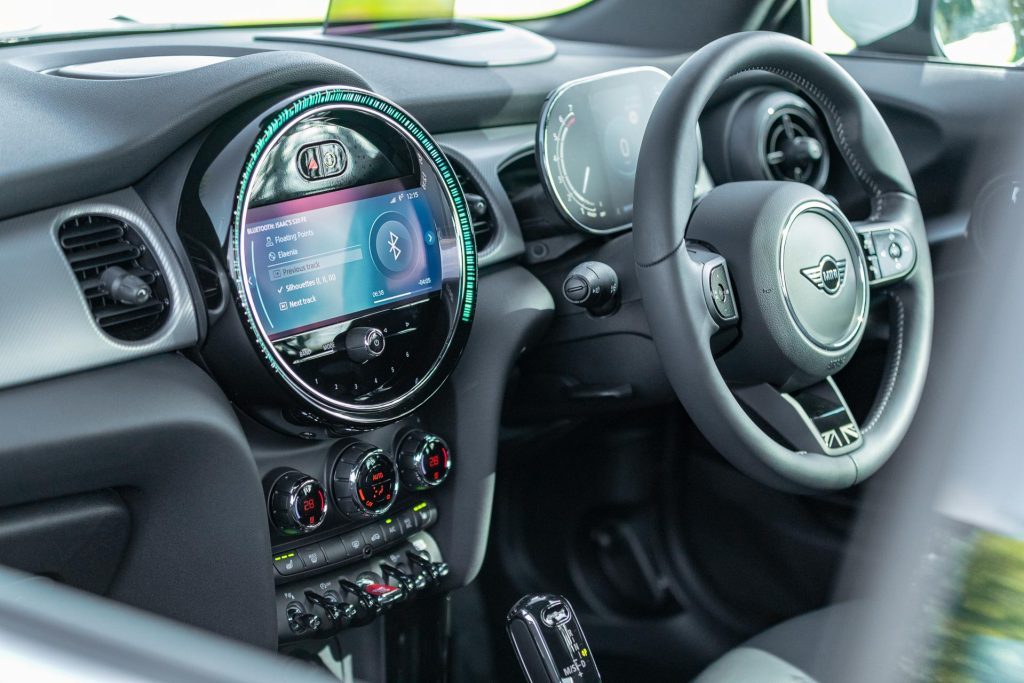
[379,590]
[384,594]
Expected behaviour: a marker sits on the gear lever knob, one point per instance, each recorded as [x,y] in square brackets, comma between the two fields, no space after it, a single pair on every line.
[549,642]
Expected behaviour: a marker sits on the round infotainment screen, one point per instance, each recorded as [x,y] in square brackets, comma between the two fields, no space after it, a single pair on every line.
[353,255]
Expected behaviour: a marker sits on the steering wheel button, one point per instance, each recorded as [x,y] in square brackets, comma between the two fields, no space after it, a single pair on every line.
[721,293]
[868,244]
[896,254]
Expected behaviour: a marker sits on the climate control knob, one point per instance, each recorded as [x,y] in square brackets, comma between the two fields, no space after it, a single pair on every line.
[365,481]
[297,503]
[424,460]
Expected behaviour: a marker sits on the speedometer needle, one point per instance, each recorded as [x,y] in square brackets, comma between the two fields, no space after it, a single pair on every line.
[586,179]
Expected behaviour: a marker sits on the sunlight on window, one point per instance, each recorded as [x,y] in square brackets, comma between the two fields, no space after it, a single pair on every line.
[514,9]
[825,33]
[72,15]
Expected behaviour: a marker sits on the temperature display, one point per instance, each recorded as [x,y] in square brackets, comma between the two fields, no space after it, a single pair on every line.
[435,461]
[424,460]
[376,483]
[311,504]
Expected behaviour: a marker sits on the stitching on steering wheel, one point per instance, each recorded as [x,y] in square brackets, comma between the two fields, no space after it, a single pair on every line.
[844,146]
[894,367]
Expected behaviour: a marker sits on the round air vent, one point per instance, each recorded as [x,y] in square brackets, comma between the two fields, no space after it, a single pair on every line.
[775,135]
[105,254]
[793,145]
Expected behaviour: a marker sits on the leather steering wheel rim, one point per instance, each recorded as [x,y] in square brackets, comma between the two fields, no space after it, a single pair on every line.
[670,280]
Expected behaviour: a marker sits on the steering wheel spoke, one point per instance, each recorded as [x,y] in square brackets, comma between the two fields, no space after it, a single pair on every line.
[889,250]
[815,419]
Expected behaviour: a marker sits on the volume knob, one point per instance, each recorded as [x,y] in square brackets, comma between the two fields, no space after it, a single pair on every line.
[364,343]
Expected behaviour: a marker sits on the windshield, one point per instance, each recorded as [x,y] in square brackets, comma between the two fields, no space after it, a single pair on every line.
[46,18]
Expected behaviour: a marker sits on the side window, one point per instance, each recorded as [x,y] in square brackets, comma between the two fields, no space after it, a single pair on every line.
[967,31]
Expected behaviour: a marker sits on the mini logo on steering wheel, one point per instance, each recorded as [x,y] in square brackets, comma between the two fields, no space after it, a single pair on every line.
[828,276]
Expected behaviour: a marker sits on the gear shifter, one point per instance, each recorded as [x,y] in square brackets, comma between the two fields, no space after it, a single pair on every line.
[549,641]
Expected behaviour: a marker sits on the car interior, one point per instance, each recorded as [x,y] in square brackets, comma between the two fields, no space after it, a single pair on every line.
[407,345]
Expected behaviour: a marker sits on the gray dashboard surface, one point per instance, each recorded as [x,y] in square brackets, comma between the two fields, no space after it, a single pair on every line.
[67,138]
[160,432]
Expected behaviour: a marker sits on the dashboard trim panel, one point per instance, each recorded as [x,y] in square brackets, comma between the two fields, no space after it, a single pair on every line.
[60,336]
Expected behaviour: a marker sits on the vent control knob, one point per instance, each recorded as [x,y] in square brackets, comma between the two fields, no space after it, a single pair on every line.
[125,288]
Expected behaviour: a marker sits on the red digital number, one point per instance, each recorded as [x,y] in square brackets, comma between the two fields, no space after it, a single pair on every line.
[433,461]
[308,504]
[377,477]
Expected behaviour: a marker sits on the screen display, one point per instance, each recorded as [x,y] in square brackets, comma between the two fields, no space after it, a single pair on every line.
[331,257]
[590,136]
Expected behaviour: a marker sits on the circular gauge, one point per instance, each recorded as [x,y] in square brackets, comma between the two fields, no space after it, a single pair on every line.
[588,141]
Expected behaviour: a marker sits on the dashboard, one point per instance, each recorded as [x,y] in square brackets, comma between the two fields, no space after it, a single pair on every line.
[341,266]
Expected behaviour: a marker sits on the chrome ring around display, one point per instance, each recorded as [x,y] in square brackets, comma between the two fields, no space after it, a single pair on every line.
[303,106]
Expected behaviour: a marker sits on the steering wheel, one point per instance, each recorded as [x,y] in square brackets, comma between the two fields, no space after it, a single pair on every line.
[759,294]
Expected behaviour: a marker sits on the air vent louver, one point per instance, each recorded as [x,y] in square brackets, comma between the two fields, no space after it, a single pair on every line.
[480,212]
[204,265]
[794,146]
[92,244]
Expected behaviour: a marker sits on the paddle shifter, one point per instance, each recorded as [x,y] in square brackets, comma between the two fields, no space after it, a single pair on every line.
[549,641]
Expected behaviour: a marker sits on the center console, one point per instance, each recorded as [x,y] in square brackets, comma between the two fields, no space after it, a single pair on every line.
[351,540]
[334,250]
[347,275]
